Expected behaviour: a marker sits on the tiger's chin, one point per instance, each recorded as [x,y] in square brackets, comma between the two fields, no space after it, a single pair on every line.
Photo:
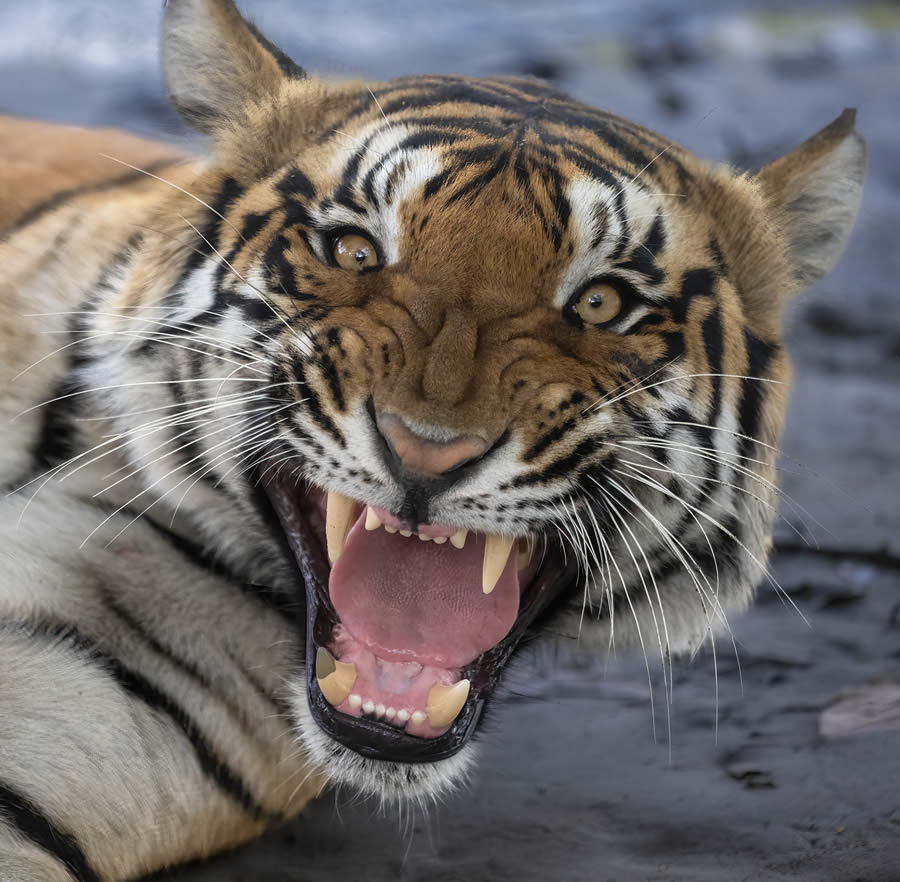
[408,631]
[388,782]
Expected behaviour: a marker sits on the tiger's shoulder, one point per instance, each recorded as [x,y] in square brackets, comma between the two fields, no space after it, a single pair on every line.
[42,165]
[70,200]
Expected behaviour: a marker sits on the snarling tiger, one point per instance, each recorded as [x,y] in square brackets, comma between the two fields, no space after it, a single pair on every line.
[301,439]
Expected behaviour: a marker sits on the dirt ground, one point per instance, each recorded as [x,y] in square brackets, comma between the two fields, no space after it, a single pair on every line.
[786,765]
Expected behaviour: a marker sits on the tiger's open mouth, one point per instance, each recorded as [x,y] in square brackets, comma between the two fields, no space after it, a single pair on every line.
[408,631]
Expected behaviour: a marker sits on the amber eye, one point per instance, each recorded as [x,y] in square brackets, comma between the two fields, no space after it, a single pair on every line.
[599,304]
[354,252]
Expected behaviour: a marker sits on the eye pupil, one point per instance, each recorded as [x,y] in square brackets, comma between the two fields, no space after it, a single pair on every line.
[353,251]
[600,304]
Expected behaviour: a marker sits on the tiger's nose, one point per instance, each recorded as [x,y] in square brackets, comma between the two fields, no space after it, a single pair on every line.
[430,457]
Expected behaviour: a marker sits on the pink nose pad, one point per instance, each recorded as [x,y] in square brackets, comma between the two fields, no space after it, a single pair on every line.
[425,457]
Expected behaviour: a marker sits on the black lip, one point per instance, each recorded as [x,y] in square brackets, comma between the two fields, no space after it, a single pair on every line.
[370,738]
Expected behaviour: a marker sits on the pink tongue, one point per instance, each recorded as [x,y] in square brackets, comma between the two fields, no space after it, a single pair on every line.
[409,600]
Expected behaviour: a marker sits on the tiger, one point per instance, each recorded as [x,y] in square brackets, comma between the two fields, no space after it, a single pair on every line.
[305,439]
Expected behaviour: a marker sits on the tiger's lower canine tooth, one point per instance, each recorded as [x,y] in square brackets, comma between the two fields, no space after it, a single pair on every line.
[339,512]
[335,678]
[373,522]
[445,702]
[496,554]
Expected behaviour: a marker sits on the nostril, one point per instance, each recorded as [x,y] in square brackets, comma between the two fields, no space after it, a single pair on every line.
[431,457]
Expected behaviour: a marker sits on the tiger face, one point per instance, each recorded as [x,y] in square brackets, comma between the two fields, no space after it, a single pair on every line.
[474,361]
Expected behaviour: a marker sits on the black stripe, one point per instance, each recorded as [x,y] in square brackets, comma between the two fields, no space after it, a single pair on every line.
[142,689]
[59,199]
[56,441]
[312,403]
[33,825]
[587,160]
[229,192]
[274,598]
[548,438]
[562,468]
[700,282]
[475,186]
[295,183]
[283,271]
[187,666]
[656,238]
[753,392]
[713,343]
[288,66]
[718,256]
[625,233]
[397,173]
[643,257]
[674,343]
[228,780]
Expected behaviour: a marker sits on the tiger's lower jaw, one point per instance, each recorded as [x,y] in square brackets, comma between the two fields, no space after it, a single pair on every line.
[390,720]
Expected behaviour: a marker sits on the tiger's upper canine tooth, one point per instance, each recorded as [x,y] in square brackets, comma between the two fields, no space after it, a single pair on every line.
[339,512]
[373,522]
[458,539]
[445,702]
[335,678]
[496,554]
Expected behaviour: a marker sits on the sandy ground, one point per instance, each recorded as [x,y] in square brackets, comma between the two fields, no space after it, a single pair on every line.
[786,766]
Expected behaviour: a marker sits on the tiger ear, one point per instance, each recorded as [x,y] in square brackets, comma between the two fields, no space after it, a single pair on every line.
[215,62]
[815,191]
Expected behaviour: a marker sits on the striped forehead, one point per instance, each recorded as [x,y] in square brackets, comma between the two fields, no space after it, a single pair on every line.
[382,164]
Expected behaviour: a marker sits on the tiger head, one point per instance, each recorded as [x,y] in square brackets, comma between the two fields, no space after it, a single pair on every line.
[474,360]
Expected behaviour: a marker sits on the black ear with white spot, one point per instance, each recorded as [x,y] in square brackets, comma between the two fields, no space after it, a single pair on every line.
[815,191]
[215,62]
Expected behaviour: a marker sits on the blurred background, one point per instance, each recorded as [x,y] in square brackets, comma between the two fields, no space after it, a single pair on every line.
[787,765]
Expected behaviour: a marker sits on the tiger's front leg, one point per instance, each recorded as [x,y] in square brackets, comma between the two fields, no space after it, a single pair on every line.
[143,714]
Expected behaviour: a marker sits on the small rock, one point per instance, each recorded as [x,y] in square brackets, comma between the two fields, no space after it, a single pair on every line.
[841,598]
[549,69]
[871,708]
[831,321]
[742,765]
[673,101]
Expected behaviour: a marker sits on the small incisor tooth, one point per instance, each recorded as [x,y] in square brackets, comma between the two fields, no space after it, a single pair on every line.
[339,512]
[335,678]
[445,702]
[458,539]
[373,522]
[496,554]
